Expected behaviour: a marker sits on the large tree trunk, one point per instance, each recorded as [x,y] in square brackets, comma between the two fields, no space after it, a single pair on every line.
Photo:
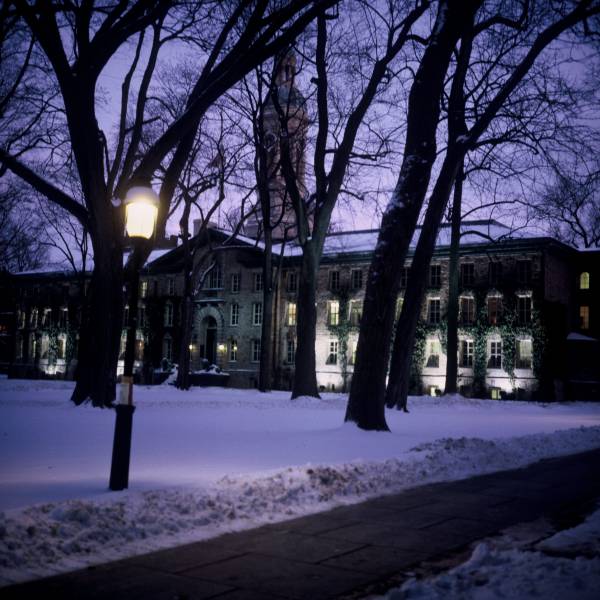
[266,347]
[96,374]
[452,334]
[366,402]
[305,376]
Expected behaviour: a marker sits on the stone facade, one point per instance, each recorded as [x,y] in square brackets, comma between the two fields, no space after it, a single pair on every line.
[519,300]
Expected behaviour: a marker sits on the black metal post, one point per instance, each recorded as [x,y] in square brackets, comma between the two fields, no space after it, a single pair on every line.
[119,469]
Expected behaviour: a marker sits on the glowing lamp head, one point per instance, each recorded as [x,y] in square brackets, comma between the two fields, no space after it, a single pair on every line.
[141,210]
[221,347]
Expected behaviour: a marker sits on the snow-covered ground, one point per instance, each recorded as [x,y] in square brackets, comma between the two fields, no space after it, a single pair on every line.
[563,565]
[214,460]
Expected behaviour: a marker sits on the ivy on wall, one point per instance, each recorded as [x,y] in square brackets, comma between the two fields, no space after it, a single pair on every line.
[342,332]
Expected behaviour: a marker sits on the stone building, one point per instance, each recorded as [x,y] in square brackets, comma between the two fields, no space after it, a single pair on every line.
[526,303]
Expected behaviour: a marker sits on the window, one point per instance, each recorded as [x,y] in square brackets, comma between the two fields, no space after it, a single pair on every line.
[495,273]
[495,361]
[404,277]
[356,309]
[257,313]
[33,321]
[171,286]
[258,282]
[168,348]
[290,352]
[467,310]
[434,349]
[236,280]
[61,350]
[399,303]
[215,279]
[292,281]
[21,319]
[122,345]
[291,314]
[435,276]
[524,272]
[255,350]
[19,343]
[233,347]
[63,318]
[584,281]
[332,357]
[524,354]
[584,317]
[523,309]
[334,281]
[234,315]
[47,317]
[467,274]
[143,289]
[168,314]
[333,312]
[433,310]
[494,304]
[466,354]
[356,278]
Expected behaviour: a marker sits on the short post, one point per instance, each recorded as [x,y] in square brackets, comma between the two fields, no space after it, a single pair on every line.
[119,469]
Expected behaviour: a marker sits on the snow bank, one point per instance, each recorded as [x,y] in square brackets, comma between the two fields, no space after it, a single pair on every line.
[54,537]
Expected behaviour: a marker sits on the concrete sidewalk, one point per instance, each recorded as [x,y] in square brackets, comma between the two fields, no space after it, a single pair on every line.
[343,552]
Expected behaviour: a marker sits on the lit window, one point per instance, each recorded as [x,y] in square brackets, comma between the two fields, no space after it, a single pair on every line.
[143,289]
[353,347]
[257,313]
[258,282]
[467,274]
[433,310]
[584,317]
[524,354]
[435,276]
[494,304]
[466,354]
[290,352]
[467,310]
[357,279]
[61,351]
[168,314]
[495,360]
[433,354]
[524,309]
[356,308]
[332,357]
[333,312]
[235,315]
[334,281]
[236,280]
[233,348]
[255,350]
[291,314]
[584,281]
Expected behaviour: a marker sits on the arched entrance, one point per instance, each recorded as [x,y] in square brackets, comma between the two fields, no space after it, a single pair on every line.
[208,339]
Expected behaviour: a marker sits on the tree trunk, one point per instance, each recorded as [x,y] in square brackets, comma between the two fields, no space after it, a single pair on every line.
[183,372]
[266,348]
[367,393]
[452,334]
[96,374]
[305,376]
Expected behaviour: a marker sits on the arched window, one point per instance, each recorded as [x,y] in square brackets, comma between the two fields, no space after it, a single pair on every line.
[584,281]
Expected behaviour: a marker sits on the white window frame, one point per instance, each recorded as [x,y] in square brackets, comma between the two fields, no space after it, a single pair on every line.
[257,314]
[234,314]
[255,351]
[291,316]
[333,316]
[233,350]
[332,356]
[168,314]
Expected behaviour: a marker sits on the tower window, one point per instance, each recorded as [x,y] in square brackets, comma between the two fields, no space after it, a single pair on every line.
[584,281]
[584,317]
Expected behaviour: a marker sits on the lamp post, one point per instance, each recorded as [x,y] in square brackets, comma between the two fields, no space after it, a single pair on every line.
[141,210]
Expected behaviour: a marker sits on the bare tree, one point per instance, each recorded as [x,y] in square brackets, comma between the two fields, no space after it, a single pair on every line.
[78,41]
[366,402]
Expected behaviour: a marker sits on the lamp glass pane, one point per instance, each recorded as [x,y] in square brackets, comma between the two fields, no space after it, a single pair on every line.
[140,219]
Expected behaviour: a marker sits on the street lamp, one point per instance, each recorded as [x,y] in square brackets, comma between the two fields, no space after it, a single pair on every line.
[141,211]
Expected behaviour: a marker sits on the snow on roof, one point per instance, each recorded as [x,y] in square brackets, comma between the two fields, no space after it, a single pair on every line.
[580,337]
[356,242]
